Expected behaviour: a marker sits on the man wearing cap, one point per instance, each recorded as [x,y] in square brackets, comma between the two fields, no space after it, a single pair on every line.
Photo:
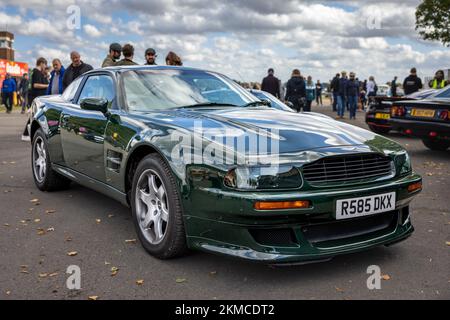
[412,83]
[115,51]
[150,57]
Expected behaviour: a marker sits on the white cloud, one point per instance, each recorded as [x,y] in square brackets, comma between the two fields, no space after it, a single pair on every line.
[92,31]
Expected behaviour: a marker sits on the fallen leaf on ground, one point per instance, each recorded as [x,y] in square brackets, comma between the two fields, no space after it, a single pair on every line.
[180,280]
[339,289]
[213,273]
[72,253]
[34,200]
[40,232]
[53,274]
[93,298]
[385,277]
[50,211]
[6,224]
[43,275]
[8,293]
[107,263]
[448,243]
[37,220]
[68,239]
[114,271]
[130,241]
[98,221]
[24,271]
[140,282]
[50,229]
[110,215]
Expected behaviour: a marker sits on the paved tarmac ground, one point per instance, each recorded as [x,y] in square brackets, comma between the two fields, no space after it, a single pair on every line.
[36,237]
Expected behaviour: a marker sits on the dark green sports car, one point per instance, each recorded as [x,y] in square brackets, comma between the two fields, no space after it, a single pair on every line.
[205,165]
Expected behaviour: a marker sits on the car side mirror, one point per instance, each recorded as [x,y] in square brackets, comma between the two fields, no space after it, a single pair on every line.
[95,104]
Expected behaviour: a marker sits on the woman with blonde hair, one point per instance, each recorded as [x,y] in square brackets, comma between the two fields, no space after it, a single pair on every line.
[172,59]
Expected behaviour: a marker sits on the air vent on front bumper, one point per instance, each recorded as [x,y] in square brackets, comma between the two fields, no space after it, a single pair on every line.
[345,169]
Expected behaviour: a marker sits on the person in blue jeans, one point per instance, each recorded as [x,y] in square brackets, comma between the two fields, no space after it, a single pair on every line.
[8,89]
[342,94]
[310,94]
[352,94]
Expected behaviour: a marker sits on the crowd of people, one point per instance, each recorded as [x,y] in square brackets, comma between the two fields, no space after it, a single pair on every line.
[348,92]
[46,80]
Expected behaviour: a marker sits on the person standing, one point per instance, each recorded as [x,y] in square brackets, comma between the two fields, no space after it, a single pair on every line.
[23,92]
[439,81]
[334,86]
[341,98]
[172,59]
[76,69]
[271,84]
[310,94]
[8,89]
[150,57]
[394,87]
[412,83]
[128,55]
[352,94]
[39,81]
[115,51]
[372,88]
[319,93]
[56,76]
[296,90]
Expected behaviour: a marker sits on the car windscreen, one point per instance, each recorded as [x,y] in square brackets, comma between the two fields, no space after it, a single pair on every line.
[443,93]
[147,90]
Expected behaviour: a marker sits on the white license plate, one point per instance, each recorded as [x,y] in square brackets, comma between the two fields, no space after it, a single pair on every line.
[364,206]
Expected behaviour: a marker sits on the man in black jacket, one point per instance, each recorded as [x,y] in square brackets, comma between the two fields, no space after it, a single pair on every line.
[271,84]
[296,90]
[334,86]
[412,83]
[76,69]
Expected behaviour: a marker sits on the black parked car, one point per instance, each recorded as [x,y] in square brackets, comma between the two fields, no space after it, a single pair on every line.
[379,112]
[427,119]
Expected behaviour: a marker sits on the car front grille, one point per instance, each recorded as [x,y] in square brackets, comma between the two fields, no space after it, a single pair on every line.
[347,169]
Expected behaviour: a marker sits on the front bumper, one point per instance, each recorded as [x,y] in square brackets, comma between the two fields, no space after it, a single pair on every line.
[225,223]
[422,129]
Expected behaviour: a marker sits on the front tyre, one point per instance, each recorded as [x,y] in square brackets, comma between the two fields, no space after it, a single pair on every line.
[437,145]
[156,209]
[45,178]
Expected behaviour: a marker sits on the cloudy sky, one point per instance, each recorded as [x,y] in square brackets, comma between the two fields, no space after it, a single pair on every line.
[241,38]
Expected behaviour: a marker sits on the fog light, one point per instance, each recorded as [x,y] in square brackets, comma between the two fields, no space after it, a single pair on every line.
[415,186]
[281,205]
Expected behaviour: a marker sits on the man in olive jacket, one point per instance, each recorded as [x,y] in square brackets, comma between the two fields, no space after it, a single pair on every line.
[115,50]
[128,54]
[76,69]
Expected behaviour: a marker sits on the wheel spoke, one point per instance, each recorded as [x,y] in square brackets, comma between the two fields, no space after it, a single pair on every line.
[41,172]
[164,213]
[158,228]
[161,193]
[152,184]
[147,221]
[145,197]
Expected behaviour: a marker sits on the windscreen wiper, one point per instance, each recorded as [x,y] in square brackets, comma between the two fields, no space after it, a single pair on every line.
[256,103]
[209,104]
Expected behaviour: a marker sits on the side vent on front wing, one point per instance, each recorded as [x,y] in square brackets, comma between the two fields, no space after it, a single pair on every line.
[113,160]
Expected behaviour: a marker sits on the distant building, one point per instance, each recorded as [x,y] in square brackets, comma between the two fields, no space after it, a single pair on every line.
[6,45]
[7,63]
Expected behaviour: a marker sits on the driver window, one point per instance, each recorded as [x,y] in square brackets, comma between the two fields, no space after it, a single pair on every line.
[99,86]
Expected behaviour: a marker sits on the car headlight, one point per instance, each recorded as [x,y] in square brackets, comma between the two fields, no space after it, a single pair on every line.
[403,161]
[264,178]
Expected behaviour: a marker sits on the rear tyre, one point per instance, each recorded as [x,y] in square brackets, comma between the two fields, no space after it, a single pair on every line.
[437,145]
[379,130]
[156,209]
[45,178]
